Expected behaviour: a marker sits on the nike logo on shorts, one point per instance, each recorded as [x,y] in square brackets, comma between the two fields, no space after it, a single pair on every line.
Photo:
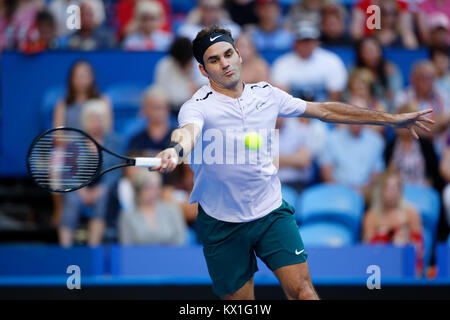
[212,39]
[298,252]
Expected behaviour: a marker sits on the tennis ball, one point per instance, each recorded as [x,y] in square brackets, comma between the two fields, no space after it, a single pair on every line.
[252,141]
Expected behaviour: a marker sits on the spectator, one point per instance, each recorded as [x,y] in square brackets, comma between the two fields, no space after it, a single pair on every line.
[118,197]
[433,19]
[22,19]
[388,79]
[206,14]
[423,93]
[91,36]
[269,34]
[353,156]
[254,68]
[440,59]
[306,71]
[360,84]
[360,94]
[390,219]
[58,8]
[439,26]
[156,136]
[390,34]
[392,8]
[178,190]
[95,122]
[300,141]
[444,170]
[178,74]
[415,160]
[333,28]
[42,36]
[304,11]
[152,221]
[7,8]
[125,10]
[148,36]
[242,11]
[81,87]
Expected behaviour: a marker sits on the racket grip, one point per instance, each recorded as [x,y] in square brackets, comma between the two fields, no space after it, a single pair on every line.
[148,162]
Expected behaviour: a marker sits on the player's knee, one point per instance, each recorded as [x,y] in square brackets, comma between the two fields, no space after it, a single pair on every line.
[306,292]
[301,290]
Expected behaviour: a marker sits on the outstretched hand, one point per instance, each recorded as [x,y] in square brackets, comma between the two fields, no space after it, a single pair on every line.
[412,120]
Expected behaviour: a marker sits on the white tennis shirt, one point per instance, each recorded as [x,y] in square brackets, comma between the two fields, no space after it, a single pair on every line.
[237,192]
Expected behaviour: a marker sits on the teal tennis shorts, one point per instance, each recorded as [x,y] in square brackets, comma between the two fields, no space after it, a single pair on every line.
[230,248]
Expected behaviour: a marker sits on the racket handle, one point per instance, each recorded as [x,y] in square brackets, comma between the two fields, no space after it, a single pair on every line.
[149,162]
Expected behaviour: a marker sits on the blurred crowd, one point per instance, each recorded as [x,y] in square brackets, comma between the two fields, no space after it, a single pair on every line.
[36,25]
[134,206]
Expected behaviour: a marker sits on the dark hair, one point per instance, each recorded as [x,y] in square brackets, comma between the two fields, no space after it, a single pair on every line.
[92,90]
[10,8]
[380,68]
[181,51]
[45,17]
[444,50]
[207,32]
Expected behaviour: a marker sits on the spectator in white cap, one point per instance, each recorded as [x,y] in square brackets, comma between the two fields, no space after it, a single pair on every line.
[430,14]
[439,35]
[305,71]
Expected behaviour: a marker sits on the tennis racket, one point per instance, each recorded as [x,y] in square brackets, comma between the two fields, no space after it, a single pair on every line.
[66,159]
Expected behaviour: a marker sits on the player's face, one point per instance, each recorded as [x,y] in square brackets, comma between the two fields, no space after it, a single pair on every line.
[222,65]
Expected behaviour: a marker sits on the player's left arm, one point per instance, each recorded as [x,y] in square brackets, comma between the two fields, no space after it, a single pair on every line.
[338,112]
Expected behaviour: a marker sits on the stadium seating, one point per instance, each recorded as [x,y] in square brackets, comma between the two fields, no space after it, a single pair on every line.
[290,195]
[427,202]
[126,100]
[326,234]
[443,259]
[331,203]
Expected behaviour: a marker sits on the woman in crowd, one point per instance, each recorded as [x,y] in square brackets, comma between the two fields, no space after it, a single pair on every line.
[388,80]
[390,219]
[81,87]
[85,201]
[151,221]
[360,93]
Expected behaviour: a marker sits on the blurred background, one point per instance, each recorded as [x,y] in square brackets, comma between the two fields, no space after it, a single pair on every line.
[120,70]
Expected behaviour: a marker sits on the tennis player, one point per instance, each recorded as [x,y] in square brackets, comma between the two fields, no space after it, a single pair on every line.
[241,210]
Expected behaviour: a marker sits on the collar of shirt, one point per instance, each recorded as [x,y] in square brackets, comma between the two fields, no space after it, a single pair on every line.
[224,98]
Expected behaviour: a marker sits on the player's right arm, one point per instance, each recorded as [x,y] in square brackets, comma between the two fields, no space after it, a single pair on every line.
[185,137]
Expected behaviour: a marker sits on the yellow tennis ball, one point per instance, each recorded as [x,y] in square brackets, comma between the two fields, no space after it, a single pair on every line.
[252,141]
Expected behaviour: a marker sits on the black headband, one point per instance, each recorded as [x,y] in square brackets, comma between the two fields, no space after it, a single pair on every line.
[205,42]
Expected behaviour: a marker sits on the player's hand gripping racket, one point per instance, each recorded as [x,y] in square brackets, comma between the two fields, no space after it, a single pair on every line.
[66,159]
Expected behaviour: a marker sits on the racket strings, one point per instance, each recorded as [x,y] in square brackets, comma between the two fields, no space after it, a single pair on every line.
[63,160]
